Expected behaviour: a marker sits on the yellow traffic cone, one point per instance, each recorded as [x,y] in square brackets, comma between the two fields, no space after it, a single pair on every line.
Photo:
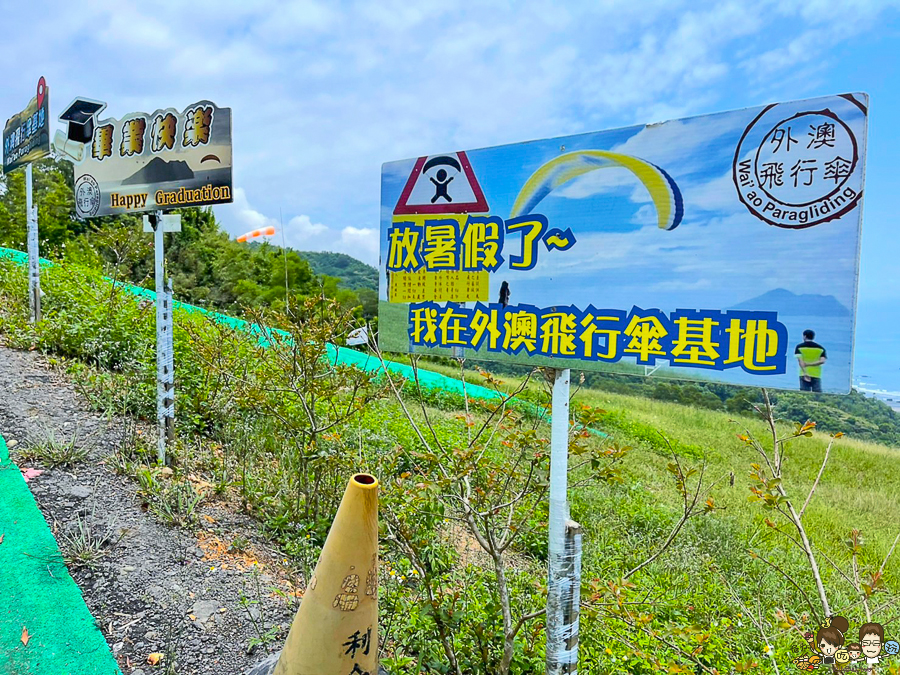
[335,631]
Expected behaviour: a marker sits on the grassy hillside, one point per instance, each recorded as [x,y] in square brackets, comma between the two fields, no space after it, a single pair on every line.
[277,430]
[352,273]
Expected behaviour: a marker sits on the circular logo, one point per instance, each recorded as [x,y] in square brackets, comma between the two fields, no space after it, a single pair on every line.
[799,171]
[87,197]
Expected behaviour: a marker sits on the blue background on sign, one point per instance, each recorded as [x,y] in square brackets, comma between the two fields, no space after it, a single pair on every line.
[720,257]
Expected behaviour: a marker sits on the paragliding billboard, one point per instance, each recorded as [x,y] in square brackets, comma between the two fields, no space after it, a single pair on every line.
[723,248]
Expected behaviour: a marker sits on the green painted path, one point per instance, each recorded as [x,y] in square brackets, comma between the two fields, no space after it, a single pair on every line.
[37,593]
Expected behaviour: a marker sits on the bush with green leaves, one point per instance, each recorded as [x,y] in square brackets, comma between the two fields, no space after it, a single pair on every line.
[669,582]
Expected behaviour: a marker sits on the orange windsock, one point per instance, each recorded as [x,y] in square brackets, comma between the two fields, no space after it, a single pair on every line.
[256,234]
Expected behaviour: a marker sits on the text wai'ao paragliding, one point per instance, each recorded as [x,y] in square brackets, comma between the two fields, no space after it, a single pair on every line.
[558,171]
[256,234]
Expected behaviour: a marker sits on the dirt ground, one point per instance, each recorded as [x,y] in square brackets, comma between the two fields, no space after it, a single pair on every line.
[157,588]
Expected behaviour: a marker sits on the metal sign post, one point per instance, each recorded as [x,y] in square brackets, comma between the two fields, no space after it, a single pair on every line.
[147,163]
[34,265]
[26,139]
[159,224]
[564,546]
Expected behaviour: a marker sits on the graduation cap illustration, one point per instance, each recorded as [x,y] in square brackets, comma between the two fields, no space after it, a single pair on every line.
[81,116]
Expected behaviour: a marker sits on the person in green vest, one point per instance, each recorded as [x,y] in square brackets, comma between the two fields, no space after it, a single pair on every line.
[810,357]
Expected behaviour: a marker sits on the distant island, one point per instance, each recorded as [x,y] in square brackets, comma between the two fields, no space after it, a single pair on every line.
[790,304]
[158,170]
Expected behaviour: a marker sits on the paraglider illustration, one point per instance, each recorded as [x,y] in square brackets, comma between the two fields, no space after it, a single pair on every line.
[561,170]
[441,179]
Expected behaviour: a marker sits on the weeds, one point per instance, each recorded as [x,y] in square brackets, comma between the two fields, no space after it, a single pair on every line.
[83,545]
[174,503]
[283,425]
[263,637]
[239,544]
[53,452]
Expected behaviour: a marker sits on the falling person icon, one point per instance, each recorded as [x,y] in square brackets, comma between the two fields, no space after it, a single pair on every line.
[440,185]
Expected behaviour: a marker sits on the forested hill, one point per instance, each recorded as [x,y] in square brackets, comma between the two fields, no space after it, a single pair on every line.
[353,273]
[208,268]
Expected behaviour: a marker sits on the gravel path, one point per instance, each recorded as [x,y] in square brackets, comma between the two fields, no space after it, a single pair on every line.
[157,589]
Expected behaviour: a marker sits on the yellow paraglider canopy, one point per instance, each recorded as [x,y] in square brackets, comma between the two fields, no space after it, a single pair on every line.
[560,170]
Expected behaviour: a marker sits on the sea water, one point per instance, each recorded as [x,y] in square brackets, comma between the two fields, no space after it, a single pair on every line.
[877,371]
[877,368]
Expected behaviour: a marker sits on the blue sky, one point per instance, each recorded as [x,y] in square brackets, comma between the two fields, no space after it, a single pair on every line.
[323,93]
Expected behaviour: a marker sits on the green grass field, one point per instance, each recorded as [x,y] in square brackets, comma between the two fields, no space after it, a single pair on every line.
[687,595]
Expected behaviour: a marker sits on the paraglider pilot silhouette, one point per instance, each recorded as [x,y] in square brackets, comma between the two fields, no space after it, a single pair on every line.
[441,185]
[441,178]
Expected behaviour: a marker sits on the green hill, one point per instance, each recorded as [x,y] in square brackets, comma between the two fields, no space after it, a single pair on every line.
[677,577]
[353,273]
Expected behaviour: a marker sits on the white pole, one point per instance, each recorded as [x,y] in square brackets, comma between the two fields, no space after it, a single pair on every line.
[559,657]
[34,266]
[159,273]
[169,365]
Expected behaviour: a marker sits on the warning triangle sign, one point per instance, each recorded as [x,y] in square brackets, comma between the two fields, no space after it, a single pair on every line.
[442,184]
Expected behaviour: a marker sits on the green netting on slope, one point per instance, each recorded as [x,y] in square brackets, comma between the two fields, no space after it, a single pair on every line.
[340,355]
[37,593]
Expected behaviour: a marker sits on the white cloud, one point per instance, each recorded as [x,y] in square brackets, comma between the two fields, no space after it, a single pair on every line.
[300,232]
[323,93]
[241,217]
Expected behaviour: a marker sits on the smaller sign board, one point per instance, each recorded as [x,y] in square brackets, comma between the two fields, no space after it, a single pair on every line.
[171,222]
[26,136]
[149,161]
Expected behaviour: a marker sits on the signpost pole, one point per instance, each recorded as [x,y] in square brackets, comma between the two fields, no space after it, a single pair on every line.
[165,407]
[34,266]
[563,576]
[572,597]
[169,364]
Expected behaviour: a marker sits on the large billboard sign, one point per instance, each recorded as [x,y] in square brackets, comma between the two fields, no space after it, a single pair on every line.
[147,161]
[26,136]
[722,248]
